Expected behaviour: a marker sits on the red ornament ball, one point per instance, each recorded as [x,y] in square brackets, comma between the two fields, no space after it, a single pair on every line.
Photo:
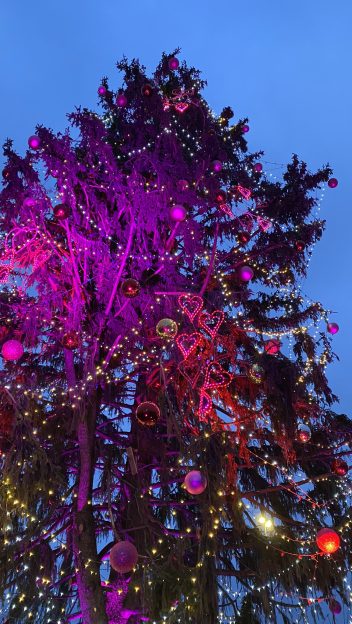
[182,185]
[12,350]
[174,63]
[304,434]
[216,165]
[333,182]
[220,197]
[130,288]
[195,482]
[121,100]
[243,237]
[335,606]
[339,467]
[147,414]
[328,541]
[102,90]
[34,142]
[147,90]
[123,557]
[333,328]
[246,273]
[70,341]
[178,213]
[300,245]
[272,347]
[245,128]
[62,211]
[258,167]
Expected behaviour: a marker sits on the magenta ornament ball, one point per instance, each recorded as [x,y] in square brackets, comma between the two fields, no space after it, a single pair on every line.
[182,185]
[333,328]
[34,142]
[195,482]
[121,100]
[123,557]
[174,63]
[258,167]
[178,212]
[29,202]
[12,350]
[102,90]
[246,273]
[335,606]
[216,165]
[333,182]
[245,128]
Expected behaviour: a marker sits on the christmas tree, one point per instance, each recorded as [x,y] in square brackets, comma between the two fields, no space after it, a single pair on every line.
[169,452]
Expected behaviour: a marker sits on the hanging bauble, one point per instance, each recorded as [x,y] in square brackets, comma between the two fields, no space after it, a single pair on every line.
[339,467]
[12,350]
[174,63]
[258,167]
[299,245]
[243,237]
[256,373]
[70,340]
[245,128]
[333,182]
[130,288]
[123,557]
[29,202]
[102,90]
[273,346]
[148,414]
[182,185]
[6,172]
[195,482]
[332,328]
[55,173]
[147,90]
[178,213]
[335,606]
[121,100]
[3,332]
[216,165]
[245,273]
[328,540]
[34,142]
[304,434]
[220,197]
[167,328]
[62,211]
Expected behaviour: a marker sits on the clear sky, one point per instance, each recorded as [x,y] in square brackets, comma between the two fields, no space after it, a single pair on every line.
[284,63]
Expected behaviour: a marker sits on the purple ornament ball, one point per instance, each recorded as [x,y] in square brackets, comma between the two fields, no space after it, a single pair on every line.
[246,273]
[121,100]
[333,182]
[258,167]
[12,350]
[29,202]
[174,63]
[333,328]
[34,142]
[123,557]
[178,213]
[335,606]
[195,482]
[245,129]
[182,185]
[102,90]
[216,165]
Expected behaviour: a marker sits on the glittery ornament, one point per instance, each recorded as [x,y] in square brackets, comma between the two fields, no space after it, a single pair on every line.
[339,467]
[130,288]
[147,414]
[62,211]
[123,557]
[256,373]
[70,340]
[12,350]
[166,328]
[304,434]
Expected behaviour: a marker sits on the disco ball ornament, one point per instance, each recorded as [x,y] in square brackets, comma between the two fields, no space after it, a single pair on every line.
[328,541]
[246,273]
[29,202]
[335,606]
[12,350]
[272,347]
[256,373]
[147,90]
[70,341]
[102,90]
[167,328]
[123,557]
[62,211]
[121,100]
[339,467]
[216,165]
[304,434]
[333,182]
[147,414]
[195,482]
[182,185]
[258,167]
[130,288]
[332,328]
[300,245]
[178,213]
[174,63]
[34,142]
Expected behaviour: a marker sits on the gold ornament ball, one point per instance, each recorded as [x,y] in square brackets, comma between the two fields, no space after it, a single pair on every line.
[167,328]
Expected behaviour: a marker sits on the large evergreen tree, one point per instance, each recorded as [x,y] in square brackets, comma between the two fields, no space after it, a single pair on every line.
[163,383]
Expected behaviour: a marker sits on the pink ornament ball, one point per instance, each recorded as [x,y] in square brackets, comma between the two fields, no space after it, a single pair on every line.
[123,557]
[333,328]
[216,165]
[245,129]
[335,606]
[102,90]
[12,350]
[121,100]
[174,63]
[195,482]
[333,182]
[34,142]
[258,167]
[178,213]
[246,273]
[29,202]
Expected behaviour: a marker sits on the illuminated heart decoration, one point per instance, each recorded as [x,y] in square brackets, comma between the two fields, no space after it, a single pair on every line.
[187,343]
[205,405]
[264,224]
[190,372]
[246,193]
[191,305]
[181,107]
[211,322]
[226,209]
[216,377]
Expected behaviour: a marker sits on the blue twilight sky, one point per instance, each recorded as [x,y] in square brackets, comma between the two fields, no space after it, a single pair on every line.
[284,63]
